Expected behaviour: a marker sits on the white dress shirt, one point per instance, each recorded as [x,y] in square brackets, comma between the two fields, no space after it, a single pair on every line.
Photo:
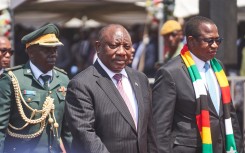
[37,73]
[126,86]
[200,66]
[1,71]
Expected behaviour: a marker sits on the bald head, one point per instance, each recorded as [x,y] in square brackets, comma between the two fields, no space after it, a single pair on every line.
[111,27]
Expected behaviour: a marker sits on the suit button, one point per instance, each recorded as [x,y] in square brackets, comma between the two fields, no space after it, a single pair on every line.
[29,100]
[50,92]
[219,140]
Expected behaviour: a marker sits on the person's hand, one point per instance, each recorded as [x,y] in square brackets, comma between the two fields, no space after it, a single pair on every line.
[62,147]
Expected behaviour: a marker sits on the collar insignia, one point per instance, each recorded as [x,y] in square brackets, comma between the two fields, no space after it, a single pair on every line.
[63,90]
[28,71]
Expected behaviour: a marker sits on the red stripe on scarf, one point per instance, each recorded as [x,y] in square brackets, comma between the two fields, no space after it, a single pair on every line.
[226,97]
[184,49]
[203,119]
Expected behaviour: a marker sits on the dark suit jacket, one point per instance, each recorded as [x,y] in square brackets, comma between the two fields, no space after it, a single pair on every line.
[174,107]
[99,118]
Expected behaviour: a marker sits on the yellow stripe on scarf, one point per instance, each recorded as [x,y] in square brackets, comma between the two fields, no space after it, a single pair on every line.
[221,78]
[206,132]
[188,59]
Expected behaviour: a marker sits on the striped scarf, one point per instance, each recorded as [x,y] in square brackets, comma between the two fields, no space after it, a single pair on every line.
[202,112]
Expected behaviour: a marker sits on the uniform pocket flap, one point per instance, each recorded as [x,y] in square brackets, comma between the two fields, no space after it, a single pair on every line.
[31,96]
[61,96]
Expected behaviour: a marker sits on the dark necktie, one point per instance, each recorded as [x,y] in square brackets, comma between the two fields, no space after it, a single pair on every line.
[45,79]
[118,78]
[211,88]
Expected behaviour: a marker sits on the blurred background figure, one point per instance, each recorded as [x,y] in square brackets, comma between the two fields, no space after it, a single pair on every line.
[146,49]
[5,19]
[79,51]
[241,49]
[5,53]
[173,36]
[239,84]
[20,55]
[64,57]
[83,51]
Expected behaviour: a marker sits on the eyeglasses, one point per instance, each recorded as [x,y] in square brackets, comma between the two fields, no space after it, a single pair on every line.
[6,50]
[210,41]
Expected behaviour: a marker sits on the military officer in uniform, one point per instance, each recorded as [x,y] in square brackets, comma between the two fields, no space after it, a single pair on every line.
[32,99]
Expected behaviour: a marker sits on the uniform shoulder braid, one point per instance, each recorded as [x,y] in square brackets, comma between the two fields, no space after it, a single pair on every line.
[60,70]
[14,68]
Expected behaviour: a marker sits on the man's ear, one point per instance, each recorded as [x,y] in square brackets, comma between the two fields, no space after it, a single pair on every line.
[97,47]
[29,52]
[190,40]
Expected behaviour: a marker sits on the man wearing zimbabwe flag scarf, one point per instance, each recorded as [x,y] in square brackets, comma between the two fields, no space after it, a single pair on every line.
[191,114]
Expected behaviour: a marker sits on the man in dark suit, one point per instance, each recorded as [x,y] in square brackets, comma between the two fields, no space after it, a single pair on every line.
[189,116]
[32,99]
[109,104]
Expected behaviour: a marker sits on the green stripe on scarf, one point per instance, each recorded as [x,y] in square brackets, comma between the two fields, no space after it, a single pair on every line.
[217,67]
[194,73]
[230,140]
[203,119]
[207,147]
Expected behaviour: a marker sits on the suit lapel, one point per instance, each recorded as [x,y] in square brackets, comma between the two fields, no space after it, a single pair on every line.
[221,112]
[211,106]
[106,84]
[138,95]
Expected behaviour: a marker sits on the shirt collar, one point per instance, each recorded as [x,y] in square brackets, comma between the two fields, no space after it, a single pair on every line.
[1,71]
[37,72]
[199,63]
[109,72]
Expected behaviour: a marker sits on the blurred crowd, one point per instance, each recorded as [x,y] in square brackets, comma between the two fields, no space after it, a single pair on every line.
[78,51]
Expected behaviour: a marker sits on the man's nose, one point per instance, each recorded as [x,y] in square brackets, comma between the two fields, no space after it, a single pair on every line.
[215,44]
[53,51]
[121,50]
[8,54]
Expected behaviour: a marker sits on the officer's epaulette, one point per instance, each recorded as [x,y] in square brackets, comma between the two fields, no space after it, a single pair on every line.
[60,70]
[14,68]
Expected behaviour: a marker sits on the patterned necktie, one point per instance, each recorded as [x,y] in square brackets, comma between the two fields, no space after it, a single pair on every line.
[45,79]
[211,89]
[118,78]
